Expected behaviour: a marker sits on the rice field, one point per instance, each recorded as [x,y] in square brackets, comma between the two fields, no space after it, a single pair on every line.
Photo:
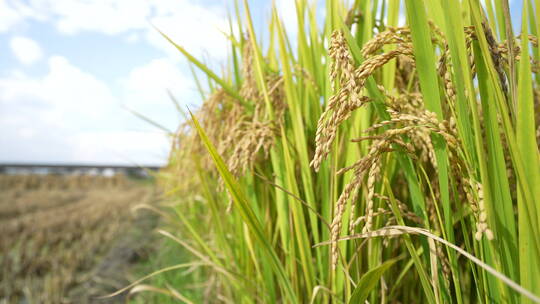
[362,160]
[60,236]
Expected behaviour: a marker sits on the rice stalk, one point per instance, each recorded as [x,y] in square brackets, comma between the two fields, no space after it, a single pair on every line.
[367,130]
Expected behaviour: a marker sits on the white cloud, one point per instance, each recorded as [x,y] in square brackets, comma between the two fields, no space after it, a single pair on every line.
[64,91]
[132,38]
[195,25]
[26,50]
[105,16]
[67,86]
[69,115]
[129,147]
[9,16]
[15,12]
[144,90]
[43,142]
[150,81]
[66,98]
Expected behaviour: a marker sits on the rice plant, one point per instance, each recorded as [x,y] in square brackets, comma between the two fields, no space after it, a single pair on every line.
[364,160]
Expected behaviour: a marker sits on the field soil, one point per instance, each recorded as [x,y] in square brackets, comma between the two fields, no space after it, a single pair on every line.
[71,241]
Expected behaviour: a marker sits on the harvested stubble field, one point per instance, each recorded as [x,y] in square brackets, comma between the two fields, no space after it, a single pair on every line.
[69,239]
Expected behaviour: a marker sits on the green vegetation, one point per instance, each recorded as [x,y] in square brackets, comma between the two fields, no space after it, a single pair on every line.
[167,253]
[364,161]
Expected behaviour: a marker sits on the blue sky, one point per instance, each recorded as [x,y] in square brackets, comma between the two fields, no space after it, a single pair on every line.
[70,68]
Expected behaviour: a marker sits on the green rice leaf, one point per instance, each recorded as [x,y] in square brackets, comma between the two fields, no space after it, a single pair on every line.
[369,281]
